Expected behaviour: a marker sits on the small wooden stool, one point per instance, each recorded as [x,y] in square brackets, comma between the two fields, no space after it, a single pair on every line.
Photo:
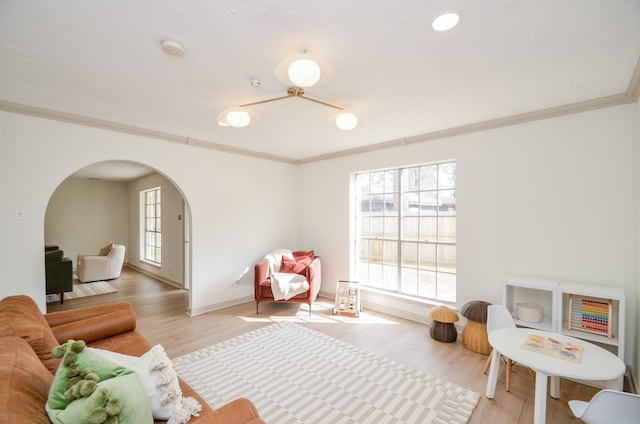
[442,328]
[474,335]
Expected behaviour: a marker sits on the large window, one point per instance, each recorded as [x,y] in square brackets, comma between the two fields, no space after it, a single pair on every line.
[152,221]
[405,230]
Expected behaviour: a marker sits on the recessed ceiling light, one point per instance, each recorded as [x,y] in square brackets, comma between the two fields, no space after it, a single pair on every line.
[446,21]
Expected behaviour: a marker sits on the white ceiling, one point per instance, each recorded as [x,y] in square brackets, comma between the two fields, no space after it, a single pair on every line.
[102,59]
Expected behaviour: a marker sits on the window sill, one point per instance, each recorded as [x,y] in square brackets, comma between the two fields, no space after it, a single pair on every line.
[408,299]
[400,305]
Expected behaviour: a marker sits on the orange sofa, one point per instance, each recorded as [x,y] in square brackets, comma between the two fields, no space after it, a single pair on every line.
[26,365]
[312,271]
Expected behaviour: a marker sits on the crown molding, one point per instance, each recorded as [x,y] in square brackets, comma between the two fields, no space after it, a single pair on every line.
[133,130]
[630,96]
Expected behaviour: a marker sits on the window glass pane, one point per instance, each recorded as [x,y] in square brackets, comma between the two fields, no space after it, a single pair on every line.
[391,204]
[447,287]
[427,284]
[427,256]
[391,227]
[428,203]
[362,183]
[447,258]
[447,229]
[390,277]
[363,251]
[390,253]
[377,182]
[377,204]
[410,254]
[375,275]
[410,281]
[428,177]
[365,203]
[363,226]
[447,175]
[377,226]
[375,251]
[158,200]
[447,202]
[429,229]
[410,228]
[410,179]
[411,203]
[362,271]
[158,224]
[391,181]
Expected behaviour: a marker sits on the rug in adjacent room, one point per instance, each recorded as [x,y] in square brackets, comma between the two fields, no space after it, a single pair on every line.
[83,290]
[297,375]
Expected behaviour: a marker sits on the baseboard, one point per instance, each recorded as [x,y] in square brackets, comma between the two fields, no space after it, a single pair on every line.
[220,305]
[397,305]
[156,276]
[633,384]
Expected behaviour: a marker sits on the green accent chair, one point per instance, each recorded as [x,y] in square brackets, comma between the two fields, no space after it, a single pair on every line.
[59,273]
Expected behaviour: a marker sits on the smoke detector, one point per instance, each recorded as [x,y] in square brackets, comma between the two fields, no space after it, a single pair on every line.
[172,48]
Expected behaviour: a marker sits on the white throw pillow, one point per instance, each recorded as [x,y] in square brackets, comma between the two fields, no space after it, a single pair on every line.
[160,382]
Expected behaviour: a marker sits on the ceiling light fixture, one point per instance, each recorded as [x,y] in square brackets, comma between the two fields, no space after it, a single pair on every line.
[304,70]
[445,21]
[301,70]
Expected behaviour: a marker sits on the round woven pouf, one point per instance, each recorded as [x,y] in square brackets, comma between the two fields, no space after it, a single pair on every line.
[474,334]
[442,328]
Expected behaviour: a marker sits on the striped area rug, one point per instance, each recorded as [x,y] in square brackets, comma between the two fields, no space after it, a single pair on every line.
[296,375]
[83,290]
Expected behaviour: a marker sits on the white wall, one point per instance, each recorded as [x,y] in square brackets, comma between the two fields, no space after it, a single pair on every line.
[83,215]
[555,199]
[636,312]
[172,267]
[236,202]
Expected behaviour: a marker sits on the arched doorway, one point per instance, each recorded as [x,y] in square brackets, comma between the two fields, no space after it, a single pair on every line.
[102,203]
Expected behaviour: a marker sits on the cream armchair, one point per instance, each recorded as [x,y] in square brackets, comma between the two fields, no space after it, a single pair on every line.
[96,267]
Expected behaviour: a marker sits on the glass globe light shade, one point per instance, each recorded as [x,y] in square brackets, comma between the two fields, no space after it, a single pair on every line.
[304,72]
[346,121]
[446,21]
[238,118]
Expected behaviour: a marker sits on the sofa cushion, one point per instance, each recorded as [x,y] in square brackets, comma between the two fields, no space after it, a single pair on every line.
[106,249]
[304,254]
[20,317]
[160,382]
[292,266]
[24,383]
[125,388]
[113,382]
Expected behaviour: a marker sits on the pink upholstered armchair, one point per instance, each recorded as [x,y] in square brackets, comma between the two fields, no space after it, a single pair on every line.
[301,269]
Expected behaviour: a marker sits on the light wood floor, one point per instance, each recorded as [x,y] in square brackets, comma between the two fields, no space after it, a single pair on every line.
[161,311]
